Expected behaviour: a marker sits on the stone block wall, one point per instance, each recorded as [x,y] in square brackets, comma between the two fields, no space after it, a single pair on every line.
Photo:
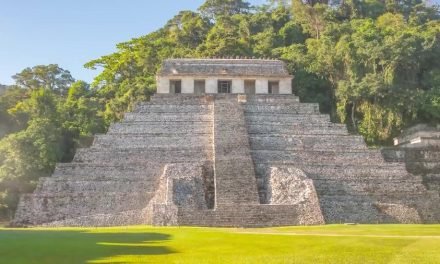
[422,160]
[353,183]
[113,182]
[232,160]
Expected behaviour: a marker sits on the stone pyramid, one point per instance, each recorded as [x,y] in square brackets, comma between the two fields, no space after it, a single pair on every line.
[228,160]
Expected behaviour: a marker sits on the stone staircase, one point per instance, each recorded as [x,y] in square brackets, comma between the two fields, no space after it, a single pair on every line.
[228,160]
[234,174]
[353,183]
[420,160]
[111,182]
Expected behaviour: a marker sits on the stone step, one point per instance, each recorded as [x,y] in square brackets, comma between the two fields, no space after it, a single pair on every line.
[36,209]
[432,182]
[181,98]
[232,156]
[296,123]
[181,123]
[412,154]
[305,142]
[164,134]
[172,108]
[180,101]
[167,117]
[177,96]
[245,215]
[103,171]
[282,103]
[128,156]
[423,166]
[417,208]
[321,157]
[149,141]
[286,118]
[306,108]
[160,128]
[396,197]
[250,99]
[306,129]
[371,172]
[71,185]
[150,176]
[264,98]
[352,210]
[126,218]
[399,188]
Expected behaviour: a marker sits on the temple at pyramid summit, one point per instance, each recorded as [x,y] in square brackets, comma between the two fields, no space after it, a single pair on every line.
[225,143]
[202,76]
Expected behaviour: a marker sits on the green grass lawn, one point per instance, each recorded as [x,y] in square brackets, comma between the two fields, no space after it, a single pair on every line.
[318,244]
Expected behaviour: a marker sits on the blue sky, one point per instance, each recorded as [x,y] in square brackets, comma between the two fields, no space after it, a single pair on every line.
[71,33]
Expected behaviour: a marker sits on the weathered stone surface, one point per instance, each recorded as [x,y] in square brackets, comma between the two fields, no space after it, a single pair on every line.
[236,67]
[228,160]
[300,129]
[402,214]
[234,173]
[283,109]
[135,217]
[283,118]
[420,159]
[291,186]
[303,142]
[181,186]
[420,136]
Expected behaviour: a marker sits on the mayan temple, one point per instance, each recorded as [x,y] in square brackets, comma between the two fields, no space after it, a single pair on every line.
[224,142]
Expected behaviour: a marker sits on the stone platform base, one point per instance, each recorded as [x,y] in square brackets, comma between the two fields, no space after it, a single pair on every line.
[232,161]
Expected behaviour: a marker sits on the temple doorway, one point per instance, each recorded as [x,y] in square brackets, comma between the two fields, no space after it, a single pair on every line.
[274,87]
[175,86]
[199,86]
[224,86]
[249,86]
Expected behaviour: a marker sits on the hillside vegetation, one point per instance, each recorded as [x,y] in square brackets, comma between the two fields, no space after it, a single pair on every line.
[373,65]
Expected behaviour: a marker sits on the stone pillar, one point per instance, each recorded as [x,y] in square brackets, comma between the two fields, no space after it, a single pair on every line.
[262,86]
[163,85]
[286,86]
[237,86]
[187,85]
[211,86]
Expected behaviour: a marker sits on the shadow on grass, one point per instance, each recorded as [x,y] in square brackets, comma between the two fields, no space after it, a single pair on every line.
[43,246]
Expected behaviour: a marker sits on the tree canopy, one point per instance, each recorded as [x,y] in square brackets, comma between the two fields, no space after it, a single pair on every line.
[217,8]
[50,77]
[40,127]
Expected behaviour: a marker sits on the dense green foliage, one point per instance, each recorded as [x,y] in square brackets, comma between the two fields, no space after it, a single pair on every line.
[390,244]
[42,126]
[372,64]
[50,77]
